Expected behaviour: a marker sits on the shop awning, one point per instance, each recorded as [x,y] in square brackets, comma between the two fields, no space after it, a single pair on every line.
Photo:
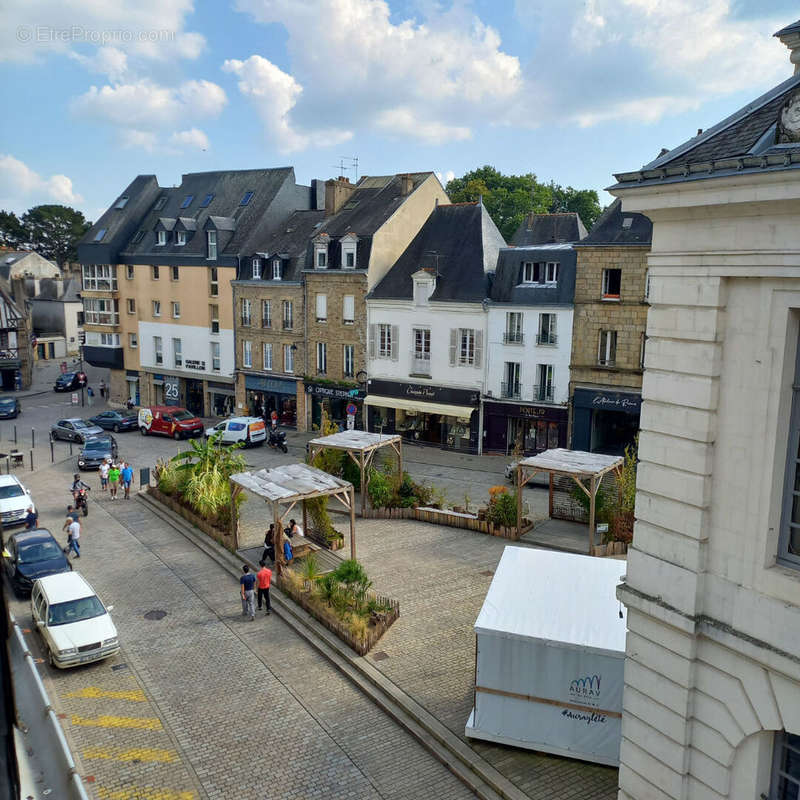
[408,404]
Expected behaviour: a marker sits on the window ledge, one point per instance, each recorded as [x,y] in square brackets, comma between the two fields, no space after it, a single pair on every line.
[610,299]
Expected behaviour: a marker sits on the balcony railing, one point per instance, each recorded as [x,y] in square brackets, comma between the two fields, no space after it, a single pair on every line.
[510,391]
[287,325]
[101,317]
[9,355]
[513,337]
[266,323]
[547,339]
[420,363]
[543,393]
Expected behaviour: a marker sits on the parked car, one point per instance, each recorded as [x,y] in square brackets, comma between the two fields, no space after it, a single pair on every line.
[73,622]
[10,407]
[96,450]
[169,421]
[29,555]
[115,421]
[74,430]
[68,381]
[15,500]
[250,430]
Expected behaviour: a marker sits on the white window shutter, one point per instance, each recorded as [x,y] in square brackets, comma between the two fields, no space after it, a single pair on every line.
[348,307]
[453,345]
[478,347]
[372,337]
[322,306]
[395,337]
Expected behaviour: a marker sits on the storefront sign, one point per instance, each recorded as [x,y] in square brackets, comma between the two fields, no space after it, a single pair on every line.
[526,411]
[258,383]
[172,392]
[321,390]
[608,401]
[422,391]
[189,364]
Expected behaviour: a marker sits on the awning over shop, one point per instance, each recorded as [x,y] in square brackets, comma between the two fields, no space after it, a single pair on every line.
[420,406]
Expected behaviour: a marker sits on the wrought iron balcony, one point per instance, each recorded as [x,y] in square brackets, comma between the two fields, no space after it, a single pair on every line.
[543,393]
[513,337]
[549,339]
[510,391]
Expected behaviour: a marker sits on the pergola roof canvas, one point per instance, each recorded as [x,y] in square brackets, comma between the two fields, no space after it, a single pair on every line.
[572,462]
[354,440]
[290,482]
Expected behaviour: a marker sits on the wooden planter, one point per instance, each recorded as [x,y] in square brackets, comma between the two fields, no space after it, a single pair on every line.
[220,535]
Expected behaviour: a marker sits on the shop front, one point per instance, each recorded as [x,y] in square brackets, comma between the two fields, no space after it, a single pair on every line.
[605,420]
[335,400]
[424,414]
[263,395]
[523,427]
[134,390]
[221,397]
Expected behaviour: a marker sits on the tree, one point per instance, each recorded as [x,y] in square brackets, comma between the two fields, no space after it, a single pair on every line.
[584,202]
[54,231]
[12,234]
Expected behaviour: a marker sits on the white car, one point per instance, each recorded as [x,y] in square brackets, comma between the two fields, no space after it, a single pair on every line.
[74,624]
[250,430]
[15,500]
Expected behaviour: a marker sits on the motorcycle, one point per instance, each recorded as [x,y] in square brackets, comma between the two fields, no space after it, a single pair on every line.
[81,499]
[277,440]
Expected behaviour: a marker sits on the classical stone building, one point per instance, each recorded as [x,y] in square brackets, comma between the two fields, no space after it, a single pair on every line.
[711,704]
[608,332]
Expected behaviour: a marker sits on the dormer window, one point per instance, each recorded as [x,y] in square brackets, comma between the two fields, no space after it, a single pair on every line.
[180,238]
[211,237]
[321,257]
[256,268]
[541,272]
[349,246]
[276,269]
[424,285]
[161,237]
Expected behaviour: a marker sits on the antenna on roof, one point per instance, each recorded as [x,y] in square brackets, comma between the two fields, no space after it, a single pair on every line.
[352,164]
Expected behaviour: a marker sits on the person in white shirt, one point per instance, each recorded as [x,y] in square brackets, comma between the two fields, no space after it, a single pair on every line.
[104,467]
[73,528]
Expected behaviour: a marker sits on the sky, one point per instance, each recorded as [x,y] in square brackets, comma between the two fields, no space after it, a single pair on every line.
[97,92]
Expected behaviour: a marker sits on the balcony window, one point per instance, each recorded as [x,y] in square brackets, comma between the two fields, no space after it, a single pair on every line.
[607,351]
[288,319]
[246,312]
[421,354]
[288,358]
[513,332]
[267,355]
[510,387]
[101,311]
[100,277]
[612,280]
[266,314]
[348,362]
[789,538]
[322,358]
[547,330]
[543,390]
[247,354]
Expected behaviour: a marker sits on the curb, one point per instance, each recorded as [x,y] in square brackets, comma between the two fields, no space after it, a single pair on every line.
[469,767]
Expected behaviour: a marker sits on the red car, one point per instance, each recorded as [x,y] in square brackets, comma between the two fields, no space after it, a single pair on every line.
[169,421]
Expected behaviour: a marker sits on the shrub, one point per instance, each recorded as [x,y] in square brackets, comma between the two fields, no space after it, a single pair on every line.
[358,626]
[603,508]
[351,472]
[503,510]
[379,489]
[327,588]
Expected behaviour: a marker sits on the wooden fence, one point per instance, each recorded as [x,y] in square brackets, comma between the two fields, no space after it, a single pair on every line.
[219,535]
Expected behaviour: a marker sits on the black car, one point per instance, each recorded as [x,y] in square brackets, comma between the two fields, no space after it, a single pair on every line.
[68,381]
[96,450]
[29,555]
[116,421]
[10,407]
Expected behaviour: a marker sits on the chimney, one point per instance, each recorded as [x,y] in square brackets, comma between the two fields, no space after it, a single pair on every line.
[406,184]
[790,36]
[337,193]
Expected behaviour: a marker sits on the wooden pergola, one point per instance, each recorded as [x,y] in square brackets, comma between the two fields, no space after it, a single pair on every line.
[576,464]
[361,447]
[286,486]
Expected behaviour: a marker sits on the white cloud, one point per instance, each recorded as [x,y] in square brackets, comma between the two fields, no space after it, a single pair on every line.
[134,139]
[22,187]
[192,139]
[404,122]
[445,177]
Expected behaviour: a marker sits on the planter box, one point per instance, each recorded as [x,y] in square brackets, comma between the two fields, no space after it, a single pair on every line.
[223,537]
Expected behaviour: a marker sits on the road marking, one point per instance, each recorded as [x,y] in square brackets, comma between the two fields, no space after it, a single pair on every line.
[143,723]
[143,754]
[95,692]
[143,793]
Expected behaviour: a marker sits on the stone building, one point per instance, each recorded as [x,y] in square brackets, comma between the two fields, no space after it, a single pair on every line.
[711,703]
[608,332]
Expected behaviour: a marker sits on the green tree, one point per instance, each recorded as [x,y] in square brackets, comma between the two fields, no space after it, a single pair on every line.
[12,233]
[53,231]
[584,202]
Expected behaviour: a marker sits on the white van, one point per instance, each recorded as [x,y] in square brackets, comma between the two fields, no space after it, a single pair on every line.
[250,430]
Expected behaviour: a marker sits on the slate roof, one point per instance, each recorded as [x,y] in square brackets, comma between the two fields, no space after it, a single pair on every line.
[460,243]
[611,228]
[793,28]
[507,285]
[546,228]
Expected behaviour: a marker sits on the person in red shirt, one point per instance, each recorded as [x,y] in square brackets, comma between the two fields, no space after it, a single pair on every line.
[263,578]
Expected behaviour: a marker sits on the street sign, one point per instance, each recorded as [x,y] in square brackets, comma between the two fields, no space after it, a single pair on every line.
[351,410]
[74,398]
[351,422]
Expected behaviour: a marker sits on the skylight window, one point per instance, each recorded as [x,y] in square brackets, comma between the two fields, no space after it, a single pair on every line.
[98,237]
[137,237]
[187,201]
[161,202]
[207,201]
[246,198]
[122,202]
[349,205]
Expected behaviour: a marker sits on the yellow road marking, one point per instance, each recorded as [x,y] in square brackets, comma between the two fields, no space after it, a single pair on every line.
[143,793]
[143,754]
[95,692]
[144,723]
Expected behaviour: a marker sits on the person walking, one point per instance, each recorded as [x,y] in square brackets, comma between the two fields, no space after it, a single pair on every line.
[31,519]
[269,544]
[126,476]
[90,396]
[264,576]
[113,480]
[72,513]
[104,468]
[103,389]
[247,586]
[73,529]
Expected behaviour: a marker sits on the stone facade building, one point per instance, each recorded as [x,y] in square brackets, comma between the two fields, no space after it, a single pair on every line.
[608,332]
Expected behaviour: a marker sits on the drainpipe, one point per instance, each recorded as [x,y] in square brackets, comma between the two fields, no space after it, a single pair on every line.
[309,417]
[480,425]
[235,341]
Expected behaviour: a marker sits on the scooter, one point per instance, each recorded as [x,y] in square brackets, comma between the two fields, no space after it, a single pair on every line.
[81,501]
[277,440]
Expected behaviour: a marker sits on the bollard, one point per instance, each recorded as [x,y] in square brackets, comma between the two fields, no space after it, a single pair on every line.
[15,433]
[33,438]
[31,460]
[144,476]
[70,448]
[52,454]
[8,465]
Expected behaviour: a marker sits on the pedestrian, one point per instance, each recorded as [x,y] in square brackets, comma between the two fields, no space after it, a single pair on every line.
[31,519]
[113,480]
[104,468]
[73,529]
[90,396]
[103,390]
[73,513]
[247,585]
[126,476]
[264,577]
[269,544]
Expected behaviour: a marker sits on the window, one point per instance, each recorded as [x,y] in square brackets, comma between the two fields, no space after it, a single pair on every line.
[158,352]
[246,312]
[541,272]
[322,358]
[266,355]
[785,767]
[211,236]
[321,258]
[513,334]
[349,252]
[789,540]
[176,310]
[348,362]
[137,237]
[607,353]
[276,269]
[247,353]
[175,273]
[161,238]
[100,277]
[98,237]
[161,202]
[349,309]
[642,349]
[156,308]
[612,278]
[177,351]
[466,348]
[385,341]
[421,355]
[510,387]
[322,308]
[647,286]
[543,390]
[207,201]
[288,320]
[246,198]
[215,365]
[213,282]
[213,313]
[288,358]
[180,238]
[350,259]
[256,268]
[133,341]
[122,202]
[131,305]
[154,272]
[101,311]
[129,272]
[547,330]
[187,201]
[107,339]
[266,314]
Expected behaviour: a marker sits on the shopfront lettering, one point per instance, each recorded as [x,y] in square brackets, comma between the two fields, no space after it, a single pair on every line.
[190,364]
[621,403]
[330,391]
[589,719]
[424,392]
[420,391]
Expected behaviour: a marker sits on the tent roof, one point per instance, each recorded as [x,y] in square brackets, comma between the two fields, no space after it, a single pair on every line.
[354,440]
[290,482]
[572,462]
[555,597]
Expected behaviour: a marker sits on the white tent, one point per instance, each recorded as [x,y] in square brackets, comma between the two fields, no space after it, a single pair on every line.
[549,655]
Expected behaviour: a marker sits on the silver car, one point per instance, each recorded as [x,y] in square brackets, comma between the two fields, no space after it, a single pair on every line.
[74,430]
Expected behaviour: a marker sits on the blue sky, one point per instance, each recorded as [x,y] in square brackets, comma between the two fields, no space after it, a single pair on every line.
[572,90]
